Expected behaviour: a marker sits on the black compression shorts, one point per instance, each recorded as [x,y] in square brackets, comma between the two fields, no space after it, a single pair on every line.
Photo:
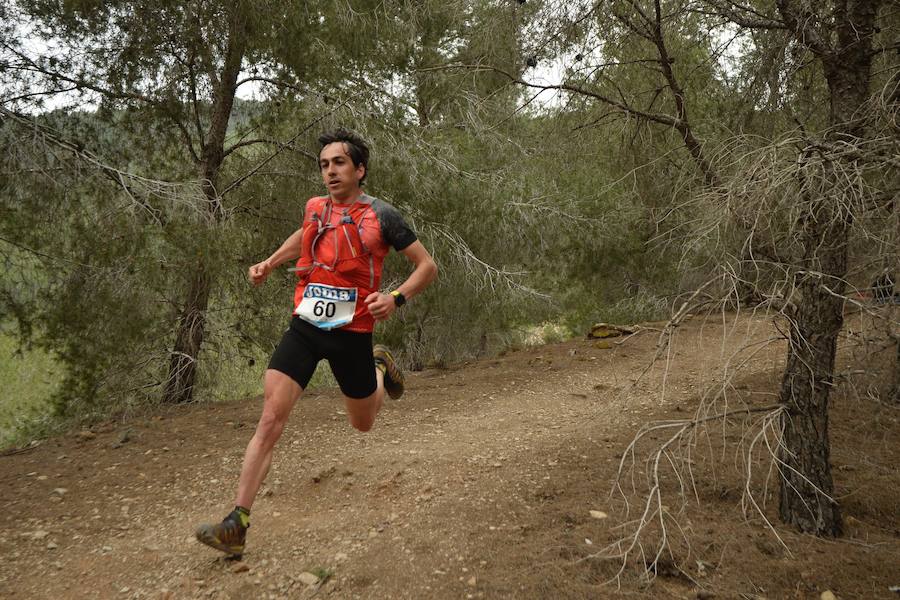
[349,354]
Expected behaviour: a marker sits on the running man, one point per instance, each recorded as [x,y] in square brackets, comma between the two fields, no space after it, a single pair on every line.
[341,247]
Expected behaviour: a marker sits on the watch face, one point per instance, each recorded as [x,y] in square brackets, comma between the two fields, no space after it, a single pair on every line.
[399,299]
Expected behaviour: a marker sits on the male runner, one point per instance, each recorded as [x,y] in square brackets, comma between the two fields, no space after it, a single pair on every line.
[341,246]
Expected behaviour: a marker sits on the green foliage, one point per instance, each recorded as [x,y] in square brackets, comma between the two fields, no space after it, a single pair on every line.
[30,377]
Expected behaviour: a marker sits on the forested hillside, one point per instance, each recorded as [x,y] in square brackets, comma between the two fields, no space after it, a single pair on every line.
[566,163]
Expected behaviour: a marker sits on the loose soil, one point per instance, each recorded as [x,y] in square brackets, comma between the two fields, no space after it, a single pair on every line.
[479,483]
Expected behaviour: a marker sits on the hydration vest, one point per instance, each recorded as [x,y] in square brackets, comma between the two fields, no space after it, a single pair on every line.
[335,254]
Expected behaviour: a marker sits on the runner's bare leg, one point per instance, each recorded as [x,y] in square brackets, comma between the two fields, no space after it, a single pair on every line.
[281,393]
[362,411]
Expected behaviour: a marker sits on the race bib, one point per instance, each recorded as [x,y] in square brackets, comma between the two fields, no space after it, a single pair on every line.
[327,306]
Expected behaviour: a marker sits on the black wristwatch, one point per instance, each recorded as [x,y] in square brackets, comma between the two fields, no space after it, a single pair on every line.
[399,299]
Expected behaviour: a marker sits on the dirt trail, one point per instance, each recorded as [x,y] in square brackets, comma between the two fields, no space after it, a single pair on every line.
[477,484]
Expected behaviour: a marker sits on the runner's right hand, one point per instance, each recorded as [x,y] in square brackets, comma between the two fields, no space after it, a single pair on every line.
[258,272]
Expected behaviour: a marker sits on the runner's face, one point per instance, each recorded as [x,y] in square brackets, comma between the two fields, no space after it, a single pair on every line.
[339,174]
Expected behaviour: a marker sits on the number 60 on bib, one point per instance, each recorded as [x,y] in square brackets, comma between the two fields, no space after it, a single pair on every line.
[327,306]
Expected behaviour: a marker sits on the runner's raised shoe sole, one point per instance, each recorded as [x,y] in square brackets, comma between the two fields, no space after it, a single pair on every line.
[393,376]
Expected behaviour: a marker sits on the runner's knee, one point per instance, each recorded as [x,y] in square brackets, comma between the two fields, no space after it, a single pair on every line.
[270,426]
[361,412]
[362,423]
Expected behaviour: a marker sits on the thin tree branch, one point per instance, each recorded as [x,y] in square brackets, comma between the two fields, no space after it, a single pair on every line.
[283,145]
[742,15]
[622,106]
[33,66]
[35,94]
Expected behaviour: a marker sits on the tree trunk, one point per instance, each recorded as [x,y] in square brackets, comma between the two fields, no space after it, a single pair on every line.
[188,340]
[894,102]
[191,324]
[807,490]
[894,393]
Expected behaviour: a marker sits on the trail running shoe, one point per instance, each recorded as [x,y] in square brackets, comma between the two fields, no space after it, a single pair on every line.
[393,376]
[227,536]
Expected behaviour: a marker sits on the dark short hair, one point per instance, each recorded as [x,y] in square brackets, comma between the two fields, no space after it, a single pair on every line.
[356,146]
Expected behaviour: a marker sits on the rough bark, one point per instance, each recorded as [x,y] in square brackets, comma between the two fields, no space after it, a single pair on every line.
[190,328]
[807,489]
[894,101]
[894,393]
[188,339]
[843,44]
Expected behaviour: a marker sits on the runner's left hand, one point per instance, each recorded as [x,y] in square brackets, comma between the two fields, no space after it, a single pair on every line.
[381,306]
